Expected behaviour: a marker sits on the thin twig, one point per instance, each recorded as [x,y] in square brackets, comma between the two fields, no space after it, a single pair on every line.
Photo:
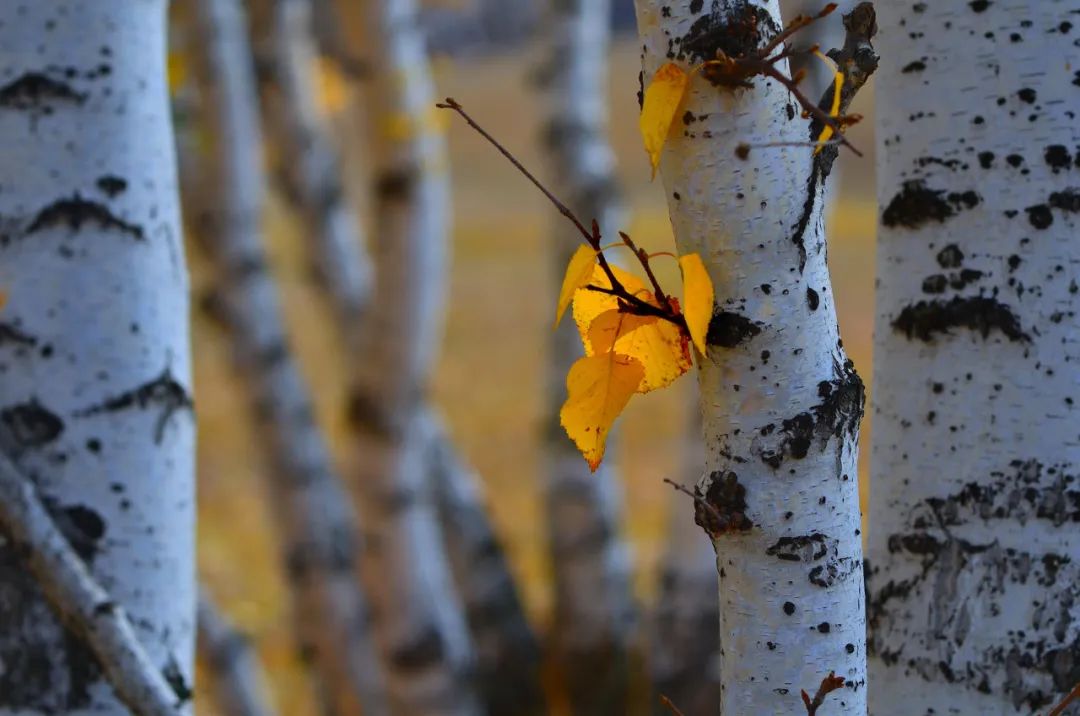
[674,709]
[643,259]
[1072,696]
[830,683]
[698,499]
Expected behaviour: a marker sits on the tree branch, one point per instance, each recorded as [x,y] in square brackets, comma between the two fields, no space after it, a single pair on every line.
[830,683]
[1072,696]
[79,601]
[228,656]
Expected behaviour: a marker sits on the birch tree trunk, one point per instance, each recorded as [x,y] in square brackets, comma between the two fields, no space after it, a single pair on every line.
[684,648]
[780,401]
[232,663]
[975,585]
[417,615]
[94,355]
[595,621]
[319,531]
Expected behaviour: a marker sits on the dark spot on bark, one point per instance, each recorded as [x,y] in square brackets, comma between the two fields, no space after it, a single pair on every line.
[916,66]
[824,627]
[812,299]
[30,424]
[1057,157]
[1068,200]
[37,93]
[925,319]
[736,31]
[1027,95]
[950,257]
[112,185]
[1014,160]
[789,608]
[986,159]
[420,650]
[11,334]
[365,414]
[74,212]
[803,548]
[696,5]
[1040,216]
[83,527]
[728,329]
[396,185]
[979,5]
[935,284]
[163,392]
[916,205]
[174,677]
[727,498]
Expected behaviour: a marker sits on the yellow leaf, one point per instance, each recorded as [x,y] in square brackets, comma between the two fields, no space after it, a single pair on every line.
[660,346]
[578,273]
[699,297]
[598,388]
[658,109]
[612,325]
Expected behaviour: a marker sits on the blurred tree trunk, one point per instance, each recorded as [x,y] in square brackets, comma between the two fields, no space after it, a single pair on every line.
[231,663]
[95,375]
[417,616]
[975,586]
[780,401]
[595,622]
[307,158]
[684,649]
[319,531]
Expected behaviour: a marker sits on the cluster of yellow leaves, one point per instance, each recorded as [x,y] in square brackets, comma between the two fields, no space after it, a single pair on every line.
[625,353]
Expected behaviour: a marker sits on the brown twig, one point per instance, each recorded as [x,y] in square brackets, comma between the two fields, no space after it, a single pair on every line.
[672,707]
[711,509]
[830,683]
[1072,696]
[643,258]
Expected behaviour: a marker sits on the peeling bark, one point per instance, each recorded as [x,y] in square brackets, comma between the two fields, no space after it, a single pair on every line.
[780,405]
[974,584]
[97,306]
[594,627]
[319,527]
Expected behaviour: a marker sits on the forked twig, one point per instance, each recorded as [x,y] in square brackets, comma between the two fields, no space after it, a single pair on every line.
[830,683]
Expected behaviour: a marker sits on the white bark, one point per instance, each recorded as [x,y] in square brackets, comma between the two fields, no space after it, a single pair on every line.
[417,615]
[94,356]
[780,401]
[80,602]
[309,160]
[974,583]
[231,663]
[684,653]
[595,620]
[319,531]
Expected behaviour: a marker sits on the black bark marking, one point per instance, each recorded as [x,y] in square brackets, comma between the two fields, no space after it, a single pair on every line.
[10,334]
[916,205]
[163,392]
[365,414]
[30,424]
[1068,200]
[37,93]
[82,526]
[803,548]
[112,185]
[916,66]
[950,257]
[396,185]
[736,31]
[979,5]
[1040,216]
[728,329]
[174,677]
[75,211]
[726,510]
[422,649]
[925,319]
[812,299]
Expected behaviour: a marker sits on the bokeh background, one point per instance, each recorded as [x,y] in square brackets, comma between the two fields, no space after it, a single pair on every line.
[490,377]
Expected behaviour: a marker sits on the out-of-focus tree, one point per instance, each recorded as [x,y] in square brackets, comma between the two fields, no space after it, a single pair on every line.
[96,407]
[974,584]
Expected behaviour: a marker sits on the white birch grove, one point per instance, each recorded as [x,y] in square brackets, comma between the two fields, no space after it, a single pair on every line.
[318,527]
[231,662]
[780,401]
[96,406]
[684,643]
[417,615]
[594,623]
[974,580]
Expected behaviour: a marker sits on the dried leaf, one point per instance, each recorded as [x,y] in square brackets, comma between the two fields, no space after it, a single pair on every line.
[699,297]
[598,388]
[661,103]
[578,273]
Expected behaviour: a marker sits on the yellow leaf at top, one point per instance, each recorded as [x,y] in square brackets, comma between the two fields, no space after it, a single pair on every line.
[658,109]
[659,345]
[598,388]
[578,273]
[698,296]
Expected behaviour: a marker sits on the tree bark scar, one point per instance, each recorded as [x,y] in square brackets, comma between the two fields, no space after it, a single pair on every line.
[37,93]
[736,32]
[163,391]
[728,329]
[30,424]
[916,205]
[75,211]
[726,497]
[926,319]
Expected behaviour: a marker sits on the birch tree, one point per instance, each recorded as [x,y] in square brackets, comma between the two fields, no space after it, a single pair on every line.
[417,614]
[780,401]
[974,583]
[594,620]
[319,530]
[94,355]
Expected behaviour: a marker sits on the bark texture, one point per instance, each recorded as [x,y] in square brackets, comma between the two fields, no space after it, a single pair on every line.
[319,528]
[780,401]
[94,355]
[975,586]
[231,662]
[594,627]
[684,654]
[417,614]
